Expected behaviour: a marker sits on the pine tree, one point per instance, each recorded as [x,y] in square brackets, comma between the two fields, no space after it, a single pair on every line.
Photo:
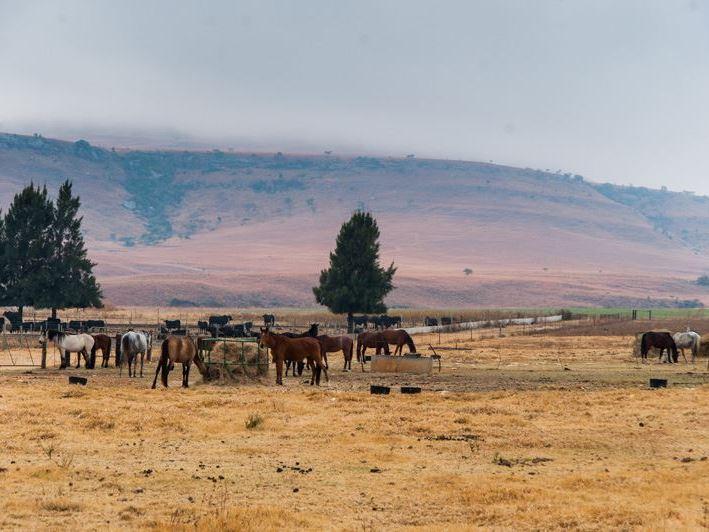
[74,284]
[26,248]
[355,281]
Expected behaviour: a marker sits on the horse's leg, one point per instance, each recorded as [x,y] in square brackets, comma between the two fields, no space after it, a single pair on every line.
[188,365]
[684,356]
[78,359]
[157,370]
[279,371]
[142,356]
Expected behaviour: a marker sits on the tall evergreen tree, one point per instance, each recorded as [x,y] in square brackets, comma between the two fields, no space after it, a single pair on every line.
[355,281]
[74,284]
[26,248]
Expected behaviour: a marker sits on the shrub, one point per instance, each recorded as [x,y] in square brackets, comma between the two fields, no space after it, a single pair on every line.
[253,421]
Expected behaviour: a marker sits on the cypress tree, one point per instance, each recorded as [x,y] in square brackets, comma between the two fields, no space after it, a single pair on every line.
[355,281]
[26,248]
[74,284]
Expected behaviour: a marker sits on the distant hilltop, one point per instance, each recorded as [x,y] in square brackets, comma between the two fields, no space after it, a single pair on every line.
[190,219]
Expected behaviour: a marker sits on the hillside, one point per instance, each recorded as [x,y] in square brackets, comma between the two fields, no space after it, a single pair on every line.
[255,229]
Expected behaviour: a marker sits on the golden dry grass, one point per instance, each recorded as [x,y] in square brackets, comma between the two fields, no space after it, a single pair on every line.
[528,445]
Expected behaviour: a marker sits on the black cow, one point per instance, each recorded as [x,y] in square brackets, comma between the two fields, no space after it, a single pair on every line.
[219,320]
[269,320]
[76,325]
[446,321]
[172,324]
[15,319]
[430,322]
[203,326]
[94,324]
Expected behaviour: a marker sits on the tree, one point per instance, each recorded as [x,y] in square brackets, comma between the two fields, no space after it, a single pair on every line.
[43,259]
[355,281]
[703,280]
[71,269]
[25,248]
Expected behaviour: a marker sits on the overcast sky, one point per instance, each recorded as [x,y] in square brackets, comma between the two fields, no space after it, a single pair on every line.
[615,90]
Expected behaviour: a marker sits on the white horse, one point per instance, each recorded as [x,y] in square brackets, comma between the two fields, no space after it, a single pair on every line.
[133,344]
[688,340]
[70,343]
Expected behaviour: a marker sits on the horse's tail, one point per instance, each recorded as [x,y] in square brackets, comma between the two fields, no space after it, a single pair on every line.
[410,342]
[643,344]
[359,349]
[164,357]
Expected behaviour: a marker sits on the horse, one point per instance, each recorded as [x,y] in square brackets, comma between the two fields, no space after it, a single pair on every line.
[133,344]
[119,336]
[430,322]
[688,340]
[70,343]
[660,340]
[102,342]
[371,339]
[269,320]
[180,349]
[312,332]
[294,349]
[399,337]
[332,344]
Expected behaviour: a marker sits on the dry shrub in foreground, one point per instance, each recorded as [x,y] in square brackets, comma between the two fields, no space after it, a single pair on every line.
[233,519]
[60,505]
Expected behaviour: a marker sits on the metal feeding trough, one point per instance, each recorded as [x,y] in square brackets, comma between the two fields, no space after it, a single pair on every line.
[78,380]
[410,389]
[379,390]
[658,383]
[410,363]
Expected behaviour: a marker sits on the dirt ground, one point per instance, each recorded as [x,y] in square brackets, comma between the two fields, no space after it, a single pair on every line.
[523,432]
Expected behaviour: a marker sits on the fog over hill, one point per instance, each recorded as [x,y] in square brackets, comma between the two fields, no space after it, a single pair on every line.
[216,227]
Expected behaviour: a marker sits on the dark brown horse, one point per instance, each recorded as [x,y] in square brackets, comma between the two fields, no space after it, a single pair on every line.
[371,339]
[296,350]
[661,341]
[399,337]
[312,332]
[180,349]
[333,344]
[102,342]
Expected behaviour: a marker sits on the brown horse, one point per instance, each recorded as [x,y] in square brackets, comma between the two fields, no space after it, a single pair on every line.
[312,332]
[371,339]
[296,350]
[102,342]
[399,337]
[332,344]
[661,341]
[180,349]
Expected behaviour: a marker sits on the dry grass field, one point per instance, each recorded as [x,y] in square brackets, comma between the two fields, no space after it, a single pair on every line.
[528,432]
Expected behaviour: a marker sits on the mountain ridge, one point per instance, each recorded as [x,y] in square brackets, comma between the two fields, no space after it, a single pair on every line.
[269,217]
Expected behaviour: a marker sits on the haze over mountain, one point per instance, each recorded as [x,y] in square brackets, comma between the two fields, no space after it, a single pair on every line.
[219,228]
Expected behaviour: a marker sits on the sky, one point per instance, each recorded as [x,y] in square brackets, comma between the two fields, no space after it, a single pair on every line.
[614,90]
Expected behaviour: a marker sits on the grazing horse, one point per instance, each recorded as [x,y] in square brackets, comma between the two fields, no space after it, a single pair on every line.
[332,344]
[70,343]
[399,337]
[296,350]
[180,349]
[133,344]
[102,342]
[312,332]
[661,341]
[688,340]
[371,339]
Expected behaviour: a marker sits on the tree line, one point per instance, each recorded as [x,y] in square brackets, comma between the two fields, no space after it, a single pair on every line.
[43,257]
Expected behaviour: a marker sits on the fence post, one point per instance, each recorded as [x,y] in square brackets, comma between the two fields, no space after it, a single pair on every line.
[44,355]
